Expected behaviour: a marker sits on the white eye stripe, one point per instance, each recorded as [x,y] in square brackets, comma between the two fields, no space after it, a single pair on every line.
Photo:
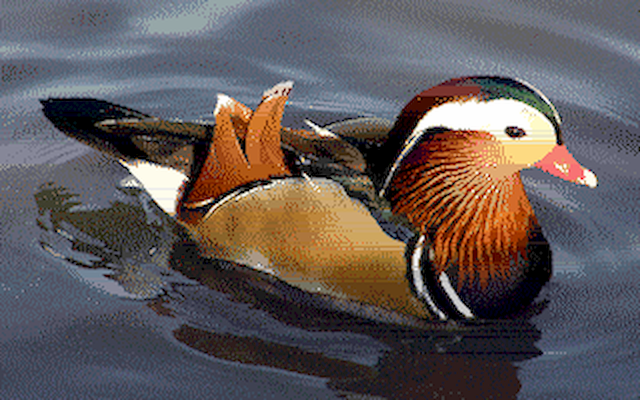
[492,116]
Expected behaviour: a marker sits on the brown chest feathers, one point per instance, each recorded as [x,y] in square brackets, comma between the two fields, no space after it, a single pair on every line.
[458,190]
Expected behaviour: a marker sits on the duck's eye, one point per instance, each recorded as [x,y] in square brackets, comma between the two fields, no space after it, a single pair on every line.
[515,132]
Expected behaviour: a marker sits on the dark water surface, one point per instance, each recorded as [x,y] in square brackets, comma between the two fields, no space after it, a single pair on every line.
[104,296]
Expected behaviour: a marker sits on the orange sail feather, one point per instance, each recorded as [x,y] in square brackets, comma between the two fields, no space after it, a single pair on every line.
[229,164]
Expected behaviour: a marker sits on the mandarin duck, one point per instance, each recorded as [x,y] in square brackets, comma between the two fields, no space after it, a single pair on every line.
[425,216]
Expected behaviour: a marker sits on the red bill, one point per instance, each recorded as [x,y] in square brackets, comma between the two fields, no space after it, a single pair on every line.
[559,162]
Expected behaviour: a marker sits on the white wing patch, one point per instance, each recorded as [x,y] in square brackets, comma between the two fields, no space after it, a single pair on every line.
[162,183]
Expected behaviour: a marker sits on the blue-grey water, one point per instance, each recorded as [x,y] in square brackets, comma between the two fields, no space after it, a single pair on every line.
[104,296]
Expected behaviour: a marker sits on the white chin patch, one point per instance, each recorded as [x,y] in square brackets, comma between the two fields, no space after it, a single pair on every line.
[162,183]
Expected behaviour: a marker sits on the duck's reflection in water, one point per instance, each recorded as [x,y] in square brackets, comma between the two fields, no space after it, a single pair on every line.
[138,249]
[447,360]
[403,372]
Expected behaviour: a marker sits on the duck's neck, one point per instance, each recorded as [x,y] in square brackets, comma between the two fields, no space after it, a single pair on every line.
[475,212]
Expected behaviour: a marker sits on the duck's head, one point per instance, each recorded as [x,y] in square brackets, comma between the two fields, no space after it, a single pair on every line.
[512,126]
[453,170]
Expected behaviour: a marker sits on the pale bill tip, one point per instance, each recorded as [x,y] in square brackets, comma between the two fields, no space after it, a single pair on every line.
[589,179]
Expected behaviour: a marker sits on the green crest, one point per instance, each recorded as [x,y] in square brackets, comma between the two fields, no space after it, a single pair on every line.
[505,88]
